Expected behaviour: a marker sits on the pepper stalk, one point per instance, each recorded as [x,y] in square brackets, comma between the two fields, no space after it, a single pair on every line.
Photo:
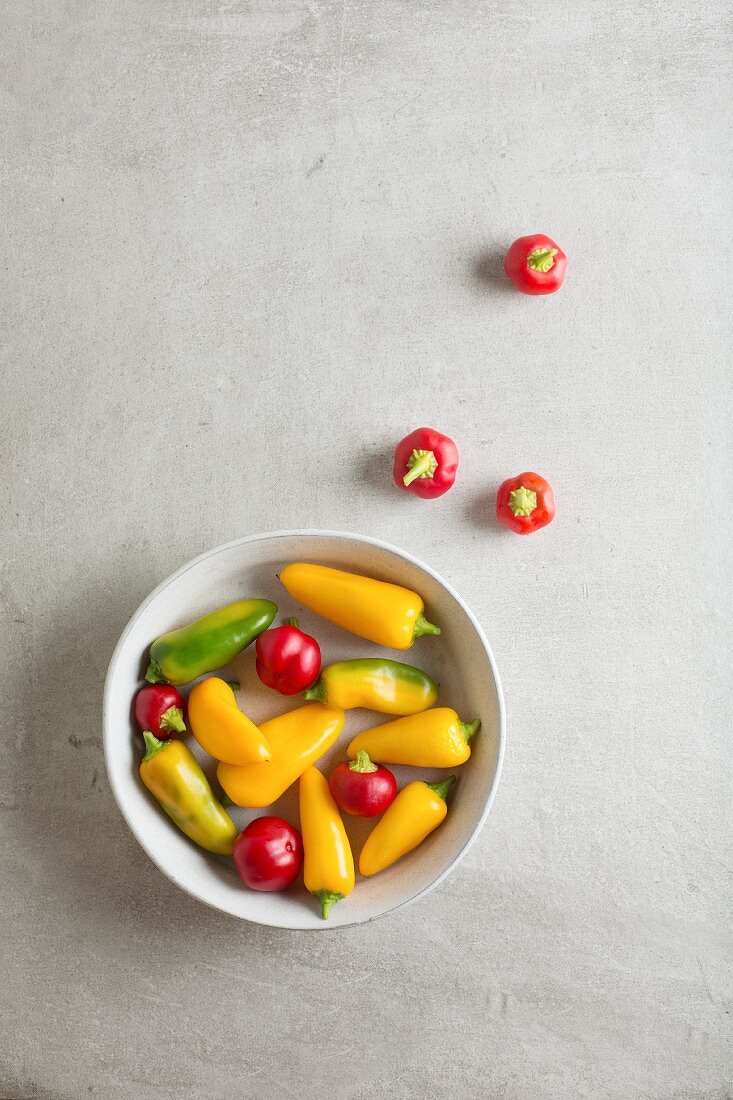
[420,464]
[522,501]
[441,789]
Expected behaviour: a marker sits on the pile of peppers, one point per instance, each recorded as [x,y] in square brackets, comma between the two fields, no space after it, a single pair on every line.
[256,764]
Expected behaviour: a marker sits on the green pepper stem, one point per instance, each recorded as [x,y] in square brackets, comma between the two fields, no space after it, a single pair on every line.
[172,719]
[469,728]
[318,692]
[522,501]
[362,763]
[441,789]
[292,622]
[542,259]
[154,674]
[233,684]
[422,626]
[152,745]
[327,899]
[420,464]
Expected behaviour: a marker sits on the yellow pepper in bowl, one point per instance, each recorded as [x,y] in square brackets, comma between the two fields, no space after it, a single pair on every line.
[385,613]
[436,738]
[376,683]
[296,739]
[417,810]
[328,867]
[221,728]
[172,774]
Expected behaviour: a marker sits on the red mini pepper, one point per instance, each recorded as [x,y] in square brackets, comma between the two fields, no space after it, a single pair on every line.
[288,659]
[362,788]
[425,463]
[160,709]
[536,265]
[268,854]
[525,504]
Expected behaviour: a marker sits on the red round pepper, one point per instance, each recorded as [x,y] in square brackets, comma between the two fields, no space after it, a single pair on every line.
[425,463]
[536,265]
[268,854]
[525,504]
[361,788]
[160,708]
[288,659]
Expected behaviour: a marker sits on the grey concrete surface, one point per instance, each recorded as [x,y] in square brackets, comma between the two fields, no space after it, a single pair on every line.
[248,245]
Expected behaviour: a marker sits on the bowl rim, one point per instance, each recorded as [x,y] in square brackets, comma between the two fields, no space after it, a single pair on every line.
[304,533]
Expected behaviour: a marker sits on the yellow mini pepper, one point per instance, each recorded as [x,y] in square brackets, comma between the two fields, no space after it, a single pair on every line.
[417,810]
[384,613]
[296,739]
[172,774]
[436,738]
[221,728]
[376,683]
[328,866]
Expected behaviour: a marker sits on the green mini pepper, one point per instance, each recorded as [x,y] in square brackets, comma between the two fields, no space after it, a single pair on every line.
[208,644]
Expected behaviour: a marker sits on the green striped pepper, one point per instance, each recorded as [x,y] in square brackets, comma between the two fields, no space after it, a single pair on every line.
[376,683]
[208,644]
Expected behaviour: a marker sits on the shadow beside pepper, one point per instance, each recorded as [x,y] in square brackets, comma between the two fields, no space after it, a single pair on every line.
[488,269]
[65,824]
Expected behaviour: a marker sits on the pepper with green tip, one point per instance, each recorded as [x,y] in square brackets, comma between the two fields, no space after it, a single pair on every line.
[361,788]
[172,774]
[376,683]
[425,463]
[208,644]
[328,865]
[385,613]
[417,810]
[525,503]
[536,265]
[436,738]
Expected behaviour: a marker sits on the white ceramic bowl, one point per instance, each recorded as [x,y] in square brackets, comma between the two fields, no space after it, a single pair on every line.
[460,660]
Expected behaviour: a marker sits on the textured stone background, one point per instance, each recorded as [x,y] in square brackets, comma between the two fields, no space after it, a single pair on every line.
[247,246]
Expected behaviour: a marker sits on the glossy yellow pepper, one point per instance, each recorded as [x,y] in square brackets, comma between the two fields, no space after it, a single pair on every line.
[384,613]
[376,683]
[296,739]
[221,728]
[417,810]
[436,738]
[328,866]
[172,774]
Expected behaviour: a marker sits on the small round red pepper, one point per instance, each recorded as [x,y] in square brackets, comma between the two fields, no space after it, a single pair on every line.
[288,659]
[425,463]
[160,709]
[525,504]
[536,265]
[362,788]
[268,854]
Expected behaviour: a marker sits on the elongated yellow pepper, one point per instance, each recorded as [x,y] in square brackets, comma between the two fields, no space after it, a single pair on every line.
[172,774]
[436,738]
[376,683]
[296,739]
[221,728]
[417,810]
[384,613]
[328,866]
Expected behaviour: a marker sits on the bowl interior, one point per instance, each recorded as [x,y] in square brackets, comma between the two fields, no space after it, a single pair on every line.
[459,661]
